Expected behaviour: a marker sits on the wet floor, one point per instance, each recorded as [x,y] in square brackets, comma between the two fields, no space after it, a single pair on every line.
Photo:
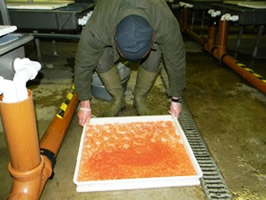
[229,113]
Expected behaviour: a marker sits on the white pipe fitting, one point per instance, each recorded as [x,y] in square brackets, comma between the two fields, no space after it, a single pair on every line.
[229,17]
[186,5]
[15,90]
[25,70]
[214,13]
[8,89]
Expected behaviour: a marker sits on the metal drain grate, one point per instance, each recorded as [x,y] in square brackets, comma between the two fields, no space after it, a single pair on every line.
[212,181]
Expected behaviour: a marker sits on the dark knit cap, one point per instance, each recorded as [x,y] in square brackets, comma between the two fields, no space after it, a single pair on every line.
[133,37]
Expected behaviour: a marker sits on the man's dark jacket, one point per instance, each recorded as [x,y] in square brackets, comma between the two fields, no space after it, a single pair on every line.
[99,34]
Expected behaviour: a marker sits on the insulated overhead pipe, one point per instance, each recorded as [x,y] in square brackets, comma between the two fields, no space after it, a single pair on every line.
[30,169]
[218,50]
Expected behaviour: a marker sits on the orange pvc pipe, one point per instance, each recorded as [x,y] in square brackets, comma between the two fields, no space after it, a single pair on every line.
[184,18]
[56,131]
[185,28]
[220,51]
[25,165]
[181,20]
[233,64]
[220,54]
[28,183]
[195,37]
[20,130]
[222,40]
[211,40]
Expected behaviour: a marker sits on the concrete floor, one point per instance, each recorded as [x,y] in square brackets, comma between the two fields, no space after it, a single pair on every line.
[230,115]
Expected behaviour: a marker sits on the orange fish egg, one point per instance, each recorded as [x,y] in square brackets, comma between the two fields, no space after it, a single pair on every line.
[133,150]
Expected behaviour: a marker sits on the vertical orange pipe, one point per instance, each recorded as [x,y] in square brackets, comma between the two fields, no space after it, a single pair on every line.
[22,140]
[185,27]
[222,40]
[211,40]
[181,20]
[185,18]
[20,130]
[30,170]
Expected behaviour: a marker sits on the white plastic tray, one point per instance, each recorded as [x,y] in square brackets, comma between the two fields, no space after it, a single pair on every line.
[137,183]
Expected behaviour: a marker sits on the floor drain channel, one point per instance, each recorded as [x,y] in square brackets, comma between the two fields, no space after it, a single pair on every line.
[212,181]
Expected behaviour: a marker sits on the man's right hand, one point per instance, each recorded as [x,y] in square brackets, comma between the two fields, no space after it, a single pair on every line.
[84,113]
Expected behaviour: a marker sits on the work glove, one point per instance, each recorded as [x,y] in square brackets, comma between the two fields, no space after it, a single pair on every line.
[175,109]
[84,113]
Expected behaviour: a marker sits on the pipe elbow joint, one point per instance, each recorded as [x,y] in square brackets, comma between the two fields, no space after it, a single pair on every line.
[213,51]
[206,46]
[26,184]
[219,53]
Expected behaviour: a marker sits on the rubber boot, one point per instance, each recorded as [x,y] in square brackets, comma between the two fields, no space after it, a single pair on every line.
[144,83]
[112,83]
